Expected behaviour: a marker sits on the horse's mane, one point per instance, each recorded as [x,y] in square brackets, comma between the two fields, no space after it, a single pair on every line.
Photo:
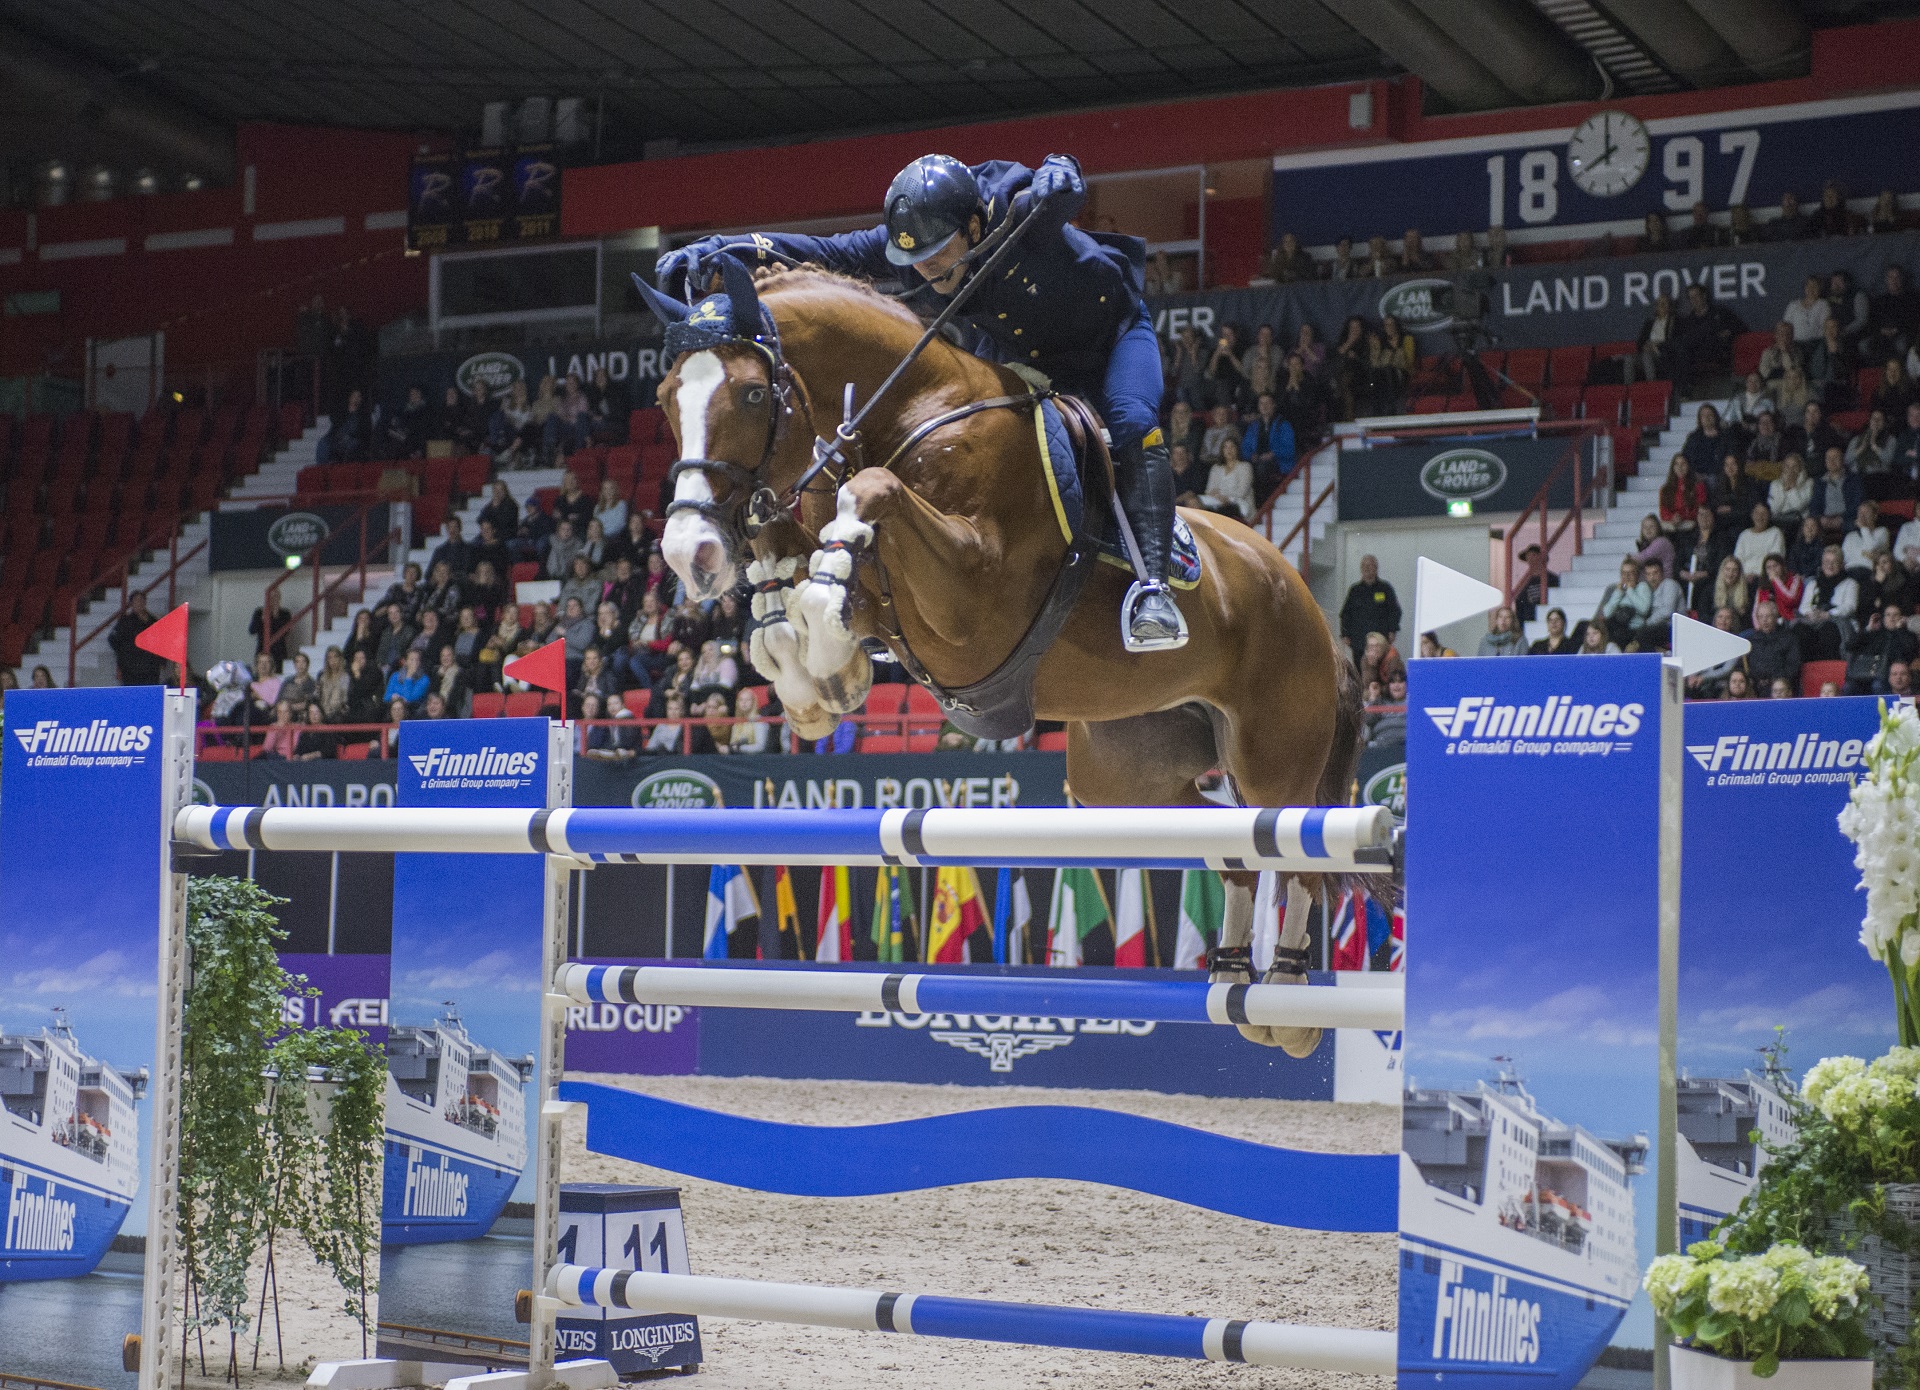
[812,277]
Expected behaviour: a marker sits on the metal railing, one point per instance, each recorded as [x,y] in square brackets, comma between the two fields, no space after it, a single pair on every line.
[1572,462]
[278,623]
[125,567]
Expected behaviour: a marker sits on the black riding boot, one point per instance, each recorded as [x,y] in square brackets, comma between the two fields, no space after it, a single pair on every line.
[1150,620]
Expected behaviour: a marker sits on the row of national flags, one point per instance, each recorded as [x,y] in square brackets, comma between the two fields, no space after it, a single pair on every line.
[1360,924]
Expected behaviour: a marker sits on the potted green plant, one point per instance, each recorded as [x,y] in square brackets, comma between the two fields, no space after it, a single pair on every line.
[1787,1318]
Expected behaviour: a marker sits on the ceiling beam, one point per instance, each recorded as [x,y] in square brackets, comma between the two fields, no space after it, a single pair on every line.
[1770,36]
[1405,34]
[72,92]
[1537,61]
[1683,43]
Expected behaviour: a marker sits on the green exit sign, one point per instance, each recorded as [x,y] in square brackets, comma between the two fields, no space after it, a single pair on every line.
[1460,506]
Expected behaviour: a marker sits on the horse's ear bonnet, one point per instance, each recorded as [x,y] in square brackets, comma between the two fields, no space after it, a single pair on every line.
[733,315]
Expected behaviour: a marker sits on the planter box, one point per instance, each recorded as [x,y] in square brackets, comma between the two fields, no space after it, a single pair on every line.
[1699,1370]
[1894,1275]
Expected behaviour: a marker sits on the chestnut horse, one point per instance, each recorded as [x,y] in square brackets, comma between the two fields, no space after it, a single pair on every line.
[947,553]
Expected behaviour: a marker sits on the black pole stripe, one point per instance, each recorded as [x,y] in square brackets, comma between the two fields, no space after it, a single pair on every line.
[910,833]
[1235,865]
[1230,1346]
[627,982]
[617,1292]
[1237,1004]
[537,832]
[250,828]
[1266,839]
[883,1312]
[890,994]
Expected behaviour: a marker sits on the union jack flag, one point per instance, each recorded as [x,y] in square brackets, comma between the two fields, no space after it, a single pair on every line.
[1397,960]
[1349,935]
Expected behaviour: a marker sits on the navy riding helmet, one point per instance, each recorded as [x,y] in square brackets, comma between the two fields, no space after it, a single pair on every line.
[927,202]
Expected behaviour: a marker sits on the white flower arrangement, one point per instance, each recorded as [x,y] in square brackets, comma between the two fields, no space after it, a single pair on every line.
[1784,1304]
[1882,818]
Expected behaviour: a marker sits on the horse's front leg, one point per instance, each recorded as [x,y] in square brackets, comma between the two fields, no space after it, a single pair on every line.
[822,608]
[773,646]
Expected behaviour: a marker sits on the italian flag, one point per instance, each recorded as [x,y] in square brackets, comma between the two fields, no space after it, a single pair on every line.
[1132,918]
[1203,906]
[836,916]
[957,914]
[1079,905]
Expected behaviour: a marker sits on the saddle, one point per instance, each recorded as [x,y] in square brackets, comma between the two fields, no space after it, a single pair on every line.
[1080,483]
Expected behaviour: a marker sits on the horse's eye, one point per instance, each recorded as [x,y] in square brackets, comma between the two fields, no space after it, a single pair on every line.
[756,394]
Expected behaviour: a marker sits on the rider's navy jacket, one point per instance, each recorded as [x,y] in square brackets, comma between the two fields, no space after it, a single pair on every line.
[1059,305]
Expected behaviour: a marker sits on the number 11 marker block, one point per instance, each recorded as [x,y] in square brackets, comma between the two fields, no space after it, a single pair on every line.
[625,1227]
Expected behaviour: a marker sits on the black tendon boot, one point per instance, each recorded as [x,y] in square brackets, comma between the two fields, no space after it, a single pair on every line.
[1150,621]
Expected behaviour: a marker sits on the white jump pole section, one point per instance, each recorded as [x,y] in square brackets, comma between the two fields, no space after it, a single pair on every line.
[1339,839]
[974,1319]
[840,991]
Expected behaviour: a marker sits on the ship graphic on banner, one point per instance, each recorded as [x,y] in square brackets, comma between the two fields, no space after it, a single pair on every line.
[456,1133]
[69,1147]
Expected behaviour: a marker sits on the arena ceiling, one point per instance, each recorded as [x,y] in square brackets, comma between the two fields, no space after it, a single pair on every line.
[133,83]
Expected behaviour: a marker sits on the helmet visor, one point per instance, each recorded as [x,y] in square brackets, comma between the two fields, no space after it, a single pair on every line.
[904,249]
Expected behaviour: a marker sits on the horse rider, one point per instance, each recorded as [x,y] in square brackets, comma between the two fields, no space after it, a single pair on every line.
[1070,306]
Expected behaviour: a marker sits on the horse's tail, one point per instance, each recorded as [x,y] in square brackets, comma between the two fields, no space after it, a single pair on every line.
[1336,780]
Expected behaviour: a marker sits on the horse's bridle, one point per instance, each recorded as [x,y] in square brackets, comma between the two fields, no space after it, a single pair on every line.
[784,387]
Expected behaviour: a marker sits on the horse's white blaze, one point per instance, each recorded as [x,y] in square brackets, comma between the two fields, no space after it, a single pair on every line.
[687,533]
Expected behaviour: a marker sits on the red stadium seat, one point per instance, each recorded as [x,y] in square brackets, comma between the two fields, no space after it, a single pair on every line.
[219,753]
[1814,674]
[881,743]
[623,466]
[1864,382]
[1604,403]
[488,705]
[1747,348]
[1901,507]
[1052,743]
[1429,405]
[522,571]
[471,474]
[1560,402]
[355,752]
[1649,404]
[922,743]
[1849,421]
[524,704]
[1569,365]
[1528,367]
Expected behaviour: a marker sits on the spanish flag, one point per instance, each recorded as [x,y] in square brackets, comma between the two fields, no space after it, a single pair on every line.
[957,914]
[836,915]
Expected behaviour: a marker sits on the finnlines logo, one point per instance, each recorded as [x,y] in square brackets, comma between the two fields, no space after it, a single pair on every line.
[1479,724]
[1807,759]
[442,767]
[1483,1324]
[37,1221]
[101,743]
[432,1191]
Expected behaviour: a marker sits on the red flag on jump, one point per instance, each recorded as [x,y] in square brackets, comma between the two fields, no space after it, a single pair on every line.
[166,638]
[546,668]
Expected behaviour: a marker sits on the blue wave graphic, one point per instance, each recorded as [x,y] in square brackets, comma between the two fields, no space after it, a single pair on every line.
[1283,1187]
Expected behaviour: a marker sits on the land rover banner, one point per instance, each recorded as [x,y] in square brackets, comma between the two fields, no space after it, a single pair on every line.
[1433,478]
[1552,303]
[266,539]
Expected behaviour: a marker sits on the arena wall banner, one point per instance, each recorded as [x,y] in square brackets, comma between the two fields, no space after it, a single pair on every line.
[89,1053]
[811,783]
[1490,475]
[632,362]
[266,538]
[464,1024]
[1770,924]
[979,1050]
[1526,181]
[1552,304]
[1533,907]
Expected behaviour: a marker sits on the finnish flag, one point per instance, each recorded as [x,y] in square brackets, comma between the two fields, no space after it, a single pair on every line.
[730,904]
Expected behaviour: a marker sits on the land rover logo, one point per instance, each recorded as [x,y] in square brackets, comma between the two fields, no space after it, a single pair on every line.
[496,370]
[1422,306]
[676,790]
[1388,788]
[1463,473]
[297,532]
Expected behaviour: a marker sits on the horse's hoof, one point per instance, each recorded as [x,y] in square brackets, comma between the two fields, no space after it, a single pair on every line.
[1295,1042]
